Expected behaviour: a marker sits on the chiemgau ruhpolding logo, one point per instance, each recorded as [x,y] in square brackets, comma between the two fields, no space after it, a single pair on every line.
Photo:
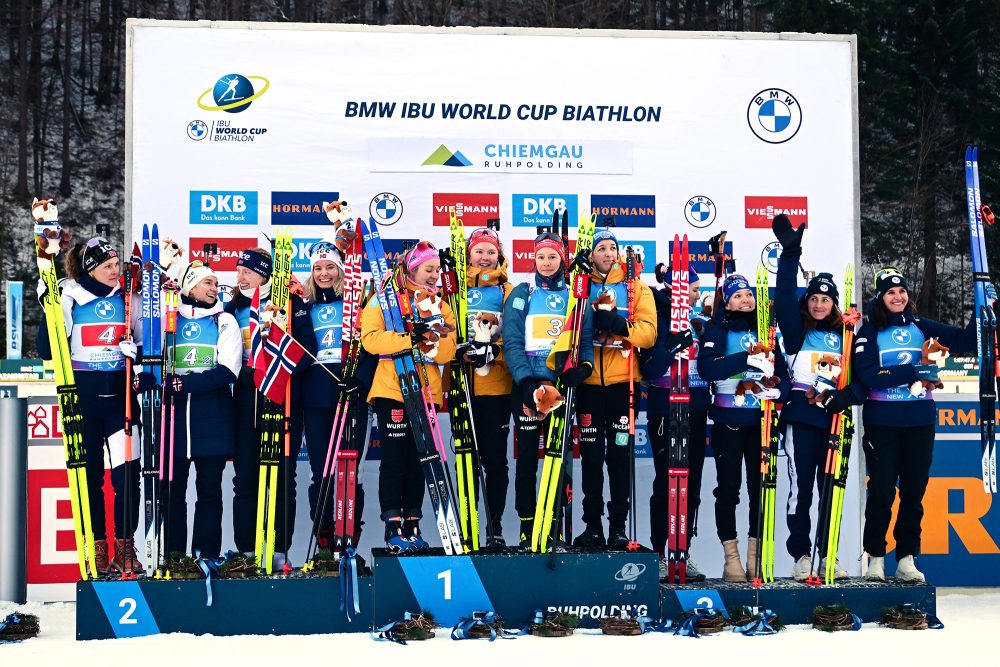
[233,93]
[444,157]
[774,115]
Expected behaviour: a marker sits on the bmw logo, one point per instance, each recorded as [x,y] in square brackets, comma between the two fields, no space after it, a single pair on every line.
[191,330]
[747,341]
[769,256]
[197,130]
[555,302]
[105,310]
[699,211]
[474,297]
[233,93]
[832,341]
[327,313]
[386,209]
[774,115]
[900,336]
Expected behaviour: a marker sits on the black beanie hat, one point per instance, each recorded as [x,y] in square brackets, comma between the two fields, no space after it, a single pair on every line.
[823,284]
[886,279]
[95,252]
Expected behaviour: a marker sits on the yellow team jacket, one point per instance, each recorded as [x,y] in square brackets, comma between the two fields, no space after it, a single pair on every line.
[610,365]
[499,381]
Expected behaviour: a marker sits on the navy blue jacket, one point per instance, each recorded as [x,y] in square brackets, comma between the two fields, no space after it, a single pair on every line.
[868,370]
[715,365]
[655,362]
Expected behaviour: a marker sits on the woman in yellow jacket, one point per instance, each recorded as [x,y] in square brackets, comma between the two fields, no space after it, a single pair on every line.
[491,381]
[401,478]
[602,401]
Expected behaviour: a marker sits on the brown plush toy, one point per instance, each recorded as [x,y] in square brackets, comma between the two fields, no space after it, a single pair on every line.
[931,352]
[485,328]
[754,386]
[828,369]
[428,307]
[547,399]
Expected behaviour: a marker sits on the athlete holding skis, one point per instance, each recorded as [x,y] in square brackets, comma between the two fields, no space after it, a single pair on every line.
[94,312]
[811,334]
[655,364]
[401,476]
[488,290]
[899,417]
[739,382]
[534,315]
[604,396]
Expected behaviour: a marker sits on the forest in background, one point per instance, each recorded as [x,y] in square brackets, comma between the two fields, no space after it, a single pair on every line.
[928,85]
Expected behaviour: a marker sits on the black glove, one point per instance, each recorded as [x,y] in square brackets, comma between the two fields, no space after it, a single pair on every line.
[838,401]
[582,262]
[574,377]
[173,385]
[143,382]
[528,389]
[481,354]
[420,327]
[789,238]
[610,320]
[349,385]
[678,341]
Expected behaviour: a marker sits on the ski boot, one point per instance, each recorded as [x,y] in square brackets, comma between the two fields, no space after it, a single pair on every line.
[524,537]
[592,537]
[617,538]
[395,543]
[411,530]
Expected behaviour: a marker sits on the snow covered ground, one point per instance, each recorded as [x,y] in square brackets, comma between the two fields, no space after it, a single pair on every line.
[970,617]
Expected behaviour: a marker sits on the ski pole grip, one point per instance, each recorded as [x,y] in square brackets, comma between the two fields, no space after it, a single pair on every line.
[13,498]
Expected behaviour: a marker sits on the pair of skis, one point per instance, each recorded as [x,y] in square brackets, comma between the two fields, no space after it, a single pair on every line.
[986,329]
[551,498]
[837,454]
[274,437]
[152,401]
[766,332]
[47,230]
[678,468]
[421,413]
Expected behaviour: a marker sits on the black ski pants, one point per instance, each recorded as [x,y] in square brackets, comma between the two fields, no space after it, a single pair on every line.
[206,533]
[659,438]
[896,455]
[103,418]
[401,479]
[491,415]
[736,448]
[530,432]
[602,413]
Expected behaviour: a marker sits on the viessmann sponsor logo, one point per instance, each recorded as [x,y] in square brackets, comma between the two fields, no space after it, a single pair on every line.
[229,250]
[524,254]
[499,155]
[473,208]
[300,208]
[760,211]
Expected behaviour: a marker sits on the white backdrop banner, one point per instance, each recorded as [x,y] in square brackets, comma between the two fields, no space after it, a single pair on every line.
[234,129]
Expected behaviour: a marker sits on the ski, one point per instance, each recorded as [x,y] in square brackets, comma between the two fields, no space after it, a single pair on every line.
[680,428]
[48,240]
[982,286]
[152,353]
[428,447]
[769,442]
[630,359]
[551,499]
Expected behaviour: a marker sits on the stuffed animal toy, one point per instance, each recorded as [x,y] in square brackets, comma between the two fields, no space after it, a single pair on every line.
[931,352]
[828,371]
[485,328]
[50,237]
[428,308]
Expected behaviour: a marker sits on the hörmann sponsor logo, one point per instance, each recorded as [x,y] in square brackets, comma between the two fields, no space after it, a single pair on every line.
[229,250]
[223,207]
[760,211]
[300,208]
[473,208]
[627,210]
[536,210]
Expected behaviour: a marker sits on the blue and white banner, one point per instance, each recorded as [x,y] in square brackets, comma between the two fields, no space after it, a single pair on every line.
[15,318]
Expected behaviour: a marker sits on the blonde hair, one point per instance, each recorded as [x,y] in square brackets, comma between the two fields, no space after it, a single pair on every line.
[338,284]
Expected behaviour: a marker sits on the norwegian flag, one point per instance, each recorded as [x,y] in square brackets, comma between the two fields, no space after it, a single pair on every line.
[280,355]
[256,344]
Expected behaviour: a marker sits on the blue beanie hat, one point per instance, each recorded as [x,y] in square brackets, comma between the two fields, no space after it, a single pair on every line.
[733,284]
[256,262]
[604,235]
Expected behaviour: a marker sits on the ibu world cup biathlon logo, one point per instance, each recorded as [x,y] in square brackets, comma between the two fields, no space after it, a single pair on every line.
[774,115]
[233,93]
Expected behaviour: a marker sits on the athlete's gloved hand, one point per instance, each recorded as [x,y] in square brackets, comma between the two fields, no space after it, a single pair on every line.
[129,349]
[481,354]
[771,394]
[421,327]
[928,372]
[678,341]
[528,389]
[991,294]
[760,364]
[173,385]
[789,238]
[349,385]
[143,382]
[582,262]
[574,377]
[610,320]
[838,401]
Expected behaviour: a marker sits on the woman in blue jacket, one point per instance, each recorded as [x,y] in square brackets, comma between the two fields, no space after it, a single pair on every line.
[533,317]
[811,329]
[899,417]
[724,361]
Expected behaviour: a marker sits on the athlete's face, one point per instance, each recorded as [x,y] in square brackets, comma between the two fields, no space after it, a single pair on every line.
[896,299]
[694,292]
[604,255]
[247,279]
[547,262]
[742,301]
[819,306]
[427,273]
[207,291]
[107,273]
[325,273]
[484,256]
